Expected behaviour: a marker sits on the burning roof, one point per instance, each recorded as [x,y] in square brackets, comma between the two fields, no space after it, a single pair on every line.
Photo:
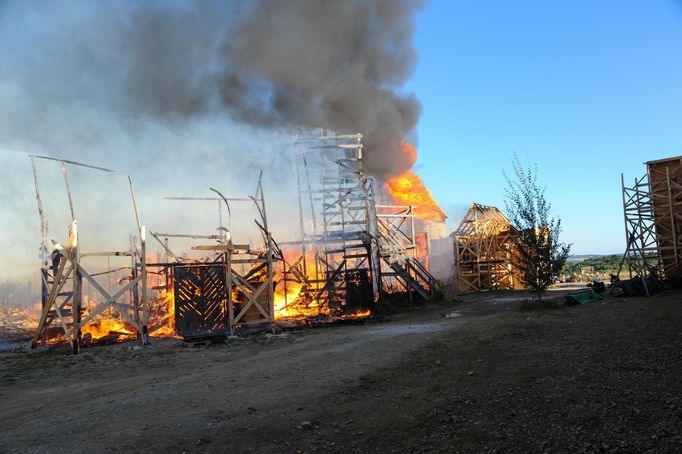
[409,189]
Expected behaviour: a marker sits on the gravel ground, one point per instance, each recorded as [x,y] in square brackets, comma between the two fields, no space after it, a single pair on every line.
[605,377]
[484,376]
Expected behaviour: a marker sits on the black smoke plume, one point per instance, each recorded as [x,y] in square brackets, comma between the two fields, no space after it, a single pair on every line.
[330,64]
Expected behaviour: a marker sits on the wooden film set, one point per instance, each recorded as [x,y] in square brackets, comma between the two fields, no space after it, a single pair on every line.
[652,208]
[351,251]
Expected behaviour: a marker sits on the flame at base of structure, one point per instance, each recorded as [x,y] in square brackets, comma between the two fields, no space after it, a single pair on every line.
[297,301]
[300,309]
[164,323]
[103,327]
[110,327]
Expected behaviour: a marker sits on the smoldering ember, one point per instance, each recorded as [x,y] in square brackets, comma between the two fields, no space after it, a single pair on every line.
[361,226]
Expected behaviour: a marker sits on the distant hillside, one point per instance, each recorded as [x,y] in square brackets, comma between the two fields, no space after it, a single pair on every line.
[580,258]
[600,263]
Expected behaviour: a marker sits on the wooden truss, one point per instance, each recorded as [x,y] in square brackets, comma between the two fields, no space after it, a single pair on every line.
[63,272]
[398,252]
[211,295]
[483,250]
[641,252]
[64,285]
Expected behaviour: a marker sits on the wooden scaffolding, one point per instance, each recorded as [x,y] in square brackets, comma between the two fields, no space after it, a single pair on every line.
[652,210]
[483,250]
[641,251]
[336,266]
[352,250]
[400,268]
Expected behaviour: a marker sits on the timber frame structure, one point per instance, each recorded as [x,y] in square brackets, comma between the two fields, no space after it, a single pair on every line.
[352,251]
[483,250]
[232,288]
[63,273]
[665,184]
[338,254]
[652,210]
[641,251]
[399,266]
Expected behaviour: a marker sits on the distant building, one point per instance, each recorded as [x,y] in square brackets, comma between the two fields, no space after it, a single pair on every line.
[483,251]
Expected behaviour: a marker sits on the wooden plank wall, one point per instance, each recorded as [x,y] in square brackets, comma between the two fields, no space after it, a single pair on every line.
[665,177]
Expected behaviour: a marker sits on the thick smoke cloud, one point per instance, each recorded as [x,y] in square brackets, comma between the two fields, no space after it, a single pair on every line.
[331,64]
[305,63]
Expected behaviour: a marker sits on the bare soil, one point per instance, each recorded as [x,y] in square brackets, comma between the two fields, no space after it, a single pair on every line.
[478,375]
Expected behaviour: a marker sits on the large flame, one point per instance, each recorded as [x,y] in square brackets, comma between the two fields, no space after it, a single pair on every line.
[166,314]
[409,189]
[297,302]
[289,302]
[102,327]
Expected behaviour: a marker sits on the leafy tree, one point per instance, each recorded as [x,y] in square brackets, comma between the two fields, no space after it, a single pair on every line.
[538,255]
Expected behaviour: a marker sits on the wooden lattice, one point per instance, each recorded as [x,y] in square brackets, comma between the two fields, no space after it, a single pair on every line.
[483,250]
[200,300]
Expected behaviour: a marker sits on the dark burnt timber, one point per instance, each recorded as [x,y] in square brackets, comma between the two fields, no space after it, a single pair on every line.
[212,298]
[64,271]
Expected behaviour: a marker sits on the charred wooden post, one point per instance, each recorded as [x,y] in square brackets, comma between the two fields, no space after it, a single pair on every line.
[143,281]
[135,294]
[62,286]
[77,302]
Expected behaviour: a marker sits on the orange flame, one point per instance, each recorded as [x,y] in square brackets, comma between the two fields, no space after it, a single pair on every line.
[102,327]
[409,189]
[288,302]
[167,314]
[296,302]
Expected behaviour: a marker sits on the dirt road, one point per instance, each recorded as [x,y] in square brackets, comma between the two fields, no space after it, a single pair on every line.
[591,378]
[168,397]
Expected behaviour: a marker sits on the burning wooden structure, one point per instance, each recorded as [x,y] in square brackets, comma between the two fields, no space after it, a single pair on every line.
[64,272]
[230,289]
[652,210]
[400,265]
[335,270]
[351,249]
[483,250]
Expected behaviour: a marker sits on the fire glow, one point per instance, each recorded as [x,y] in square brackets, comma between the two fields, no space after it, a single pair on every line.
[295,302]
[112,327]
[297,293]
[408,189]
[166,315]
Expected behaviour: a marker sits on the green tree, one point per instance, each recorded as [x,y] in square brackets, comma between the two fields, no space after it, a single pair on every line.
[538,255]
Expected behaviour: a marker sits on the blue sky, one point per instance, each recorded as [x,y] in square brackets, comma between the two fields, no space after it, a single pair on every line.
[585,89]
